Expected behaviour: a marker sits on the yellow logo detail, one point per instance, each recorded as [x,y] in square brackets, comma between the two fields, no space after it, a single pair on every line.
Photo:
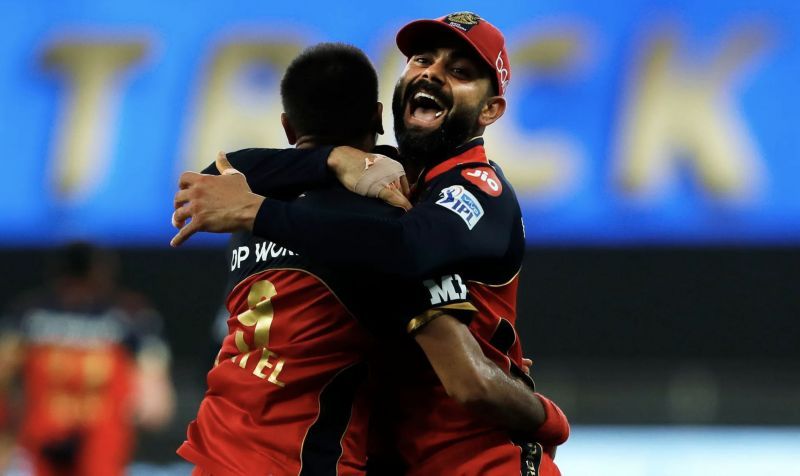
[465,18]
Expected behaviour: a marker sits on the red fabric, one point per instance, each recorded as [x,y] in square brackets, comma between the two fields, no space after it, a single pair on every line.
[485,178]
[475,155]
[436,435]
[84,392]
[247,424]
[555,429]
[548,466]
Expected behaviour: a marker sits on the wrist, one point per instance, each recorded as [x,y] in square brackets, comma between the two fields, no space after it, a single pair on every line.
[346,164]
[247,214]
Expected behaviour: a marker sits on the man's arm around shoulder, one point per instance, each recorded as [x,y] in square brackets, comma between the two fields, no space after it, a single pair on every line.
[470,378]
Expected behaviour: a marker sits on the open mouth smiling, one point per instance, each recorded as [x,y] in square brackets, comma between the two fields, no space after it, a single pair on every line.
[424,110]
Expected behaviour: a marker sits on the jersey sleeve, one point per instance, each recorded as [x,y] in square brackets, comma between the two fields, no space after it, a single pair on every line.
[390,306]
[281,173]
[455,224]
[436,296]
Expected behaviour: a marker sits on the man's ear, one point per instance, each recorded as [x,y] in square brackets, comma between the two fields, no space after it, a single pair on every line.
[493,110]
[378,119]
[291,135]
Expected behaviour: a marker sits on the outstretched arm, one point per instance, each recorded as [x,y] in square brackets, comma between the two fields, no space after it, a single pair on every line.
[230,202]
[286,173]
[282,173]
[453,224]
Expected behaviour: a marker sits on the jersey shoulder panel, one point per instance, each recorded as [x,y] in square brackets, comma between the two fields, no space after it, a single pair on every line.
[483,180]
[478,194]
[243,160]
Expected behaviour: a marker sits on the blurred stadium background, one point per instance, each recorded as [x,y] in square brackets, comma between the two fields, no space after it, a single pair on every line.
[652,144]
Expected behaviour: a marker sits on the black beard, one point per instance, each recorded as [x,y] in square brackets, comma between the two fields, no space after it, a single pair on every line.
[428,148]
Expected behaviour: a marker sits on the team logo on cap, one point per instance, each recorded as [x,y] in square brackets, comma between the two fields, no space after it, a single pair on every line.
[462,20]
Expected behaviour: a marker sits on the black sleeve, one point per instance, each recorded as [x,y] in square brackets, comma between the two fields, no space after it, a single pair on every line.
[389,306]
[440,234]
[281,173]
[386,304]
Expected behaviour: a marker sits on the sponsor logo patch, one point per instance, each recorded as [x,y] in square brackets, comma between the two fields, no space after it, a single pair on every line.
[486,179]
[447,289]
[461,202]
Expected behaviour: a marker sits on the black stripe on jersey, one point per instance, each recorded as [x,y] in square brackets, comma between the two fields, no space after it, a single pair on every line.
[502,339]
[504,336]
[322,447]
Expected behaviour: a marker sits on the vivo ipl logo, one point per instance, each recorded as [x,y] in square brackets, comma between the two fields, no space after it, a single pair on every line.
[461,202]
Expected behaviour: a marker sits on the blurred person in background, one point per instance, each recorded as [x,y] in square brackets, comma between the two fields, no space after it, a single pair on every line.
[91,364]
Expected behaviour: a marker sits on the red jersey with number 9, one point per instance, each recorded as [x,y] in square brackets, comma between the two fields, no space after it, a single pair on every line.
[284,395]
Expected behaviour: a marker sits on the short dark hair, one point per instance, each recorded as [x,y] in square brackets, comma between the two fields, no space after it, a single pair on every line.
[330,91]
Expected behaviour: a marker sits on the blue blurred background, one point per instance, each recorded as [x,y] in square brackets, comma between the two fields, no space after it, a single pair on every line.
[652,144]
[629,121]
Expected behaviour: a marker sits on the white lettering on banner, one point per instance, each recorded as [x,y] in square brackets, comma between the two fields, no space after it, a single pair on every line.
[450,289]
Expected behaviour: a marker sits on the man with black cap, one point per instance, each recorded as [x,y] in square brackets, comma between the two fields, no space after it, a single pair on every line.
[466,219]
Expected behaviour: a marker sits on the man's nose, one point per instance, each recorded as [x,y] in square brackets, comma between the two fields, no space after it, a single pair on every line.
[435,72]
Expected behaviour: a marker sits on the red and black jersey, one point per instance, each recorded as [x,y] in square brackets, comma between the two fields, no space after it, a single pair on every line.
[287,395]
[283,396]
[467,220]
[78,367]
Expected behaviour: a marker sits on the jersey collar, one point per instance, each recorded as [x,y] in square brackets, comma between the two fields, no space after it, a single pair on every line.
[471,152]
